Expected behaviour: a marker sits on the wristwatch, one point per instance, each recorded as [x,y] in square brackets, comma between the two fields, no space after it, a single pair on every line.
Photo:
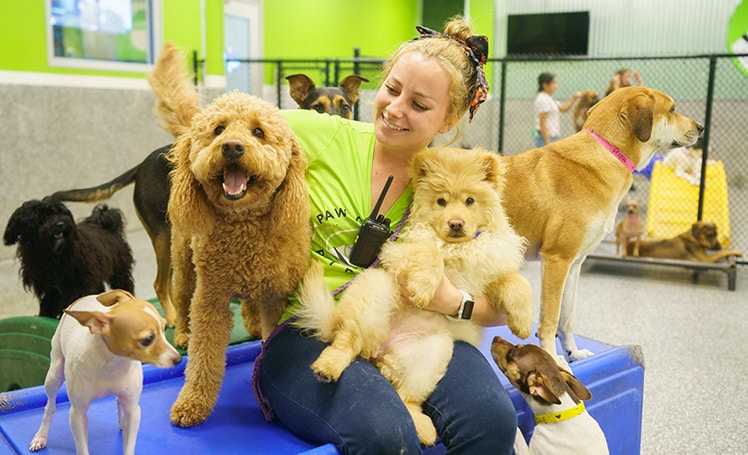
[465,310]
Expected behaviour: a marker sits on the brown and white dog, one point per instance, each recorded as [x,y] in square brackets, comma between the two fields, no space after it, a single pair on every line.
[691,245]
[97,350]
[555,396]
[630,229]
[330,100]
[564,197]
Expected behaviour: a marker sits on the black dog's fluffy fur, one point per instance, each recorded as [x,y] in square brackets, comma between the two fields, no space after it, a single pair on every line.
[61,260]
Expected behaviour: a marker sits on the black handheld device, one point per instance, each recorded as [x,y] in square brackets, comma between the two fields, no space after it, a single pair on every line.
[372,234]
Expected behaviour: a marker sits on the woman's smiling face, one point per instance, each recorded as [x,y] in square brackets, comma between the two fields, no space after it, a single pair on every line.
[411,105]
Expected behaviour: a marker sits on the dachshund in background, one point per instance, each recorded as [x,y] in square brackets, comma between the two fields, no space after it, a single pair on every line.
[691,245]
[62,261]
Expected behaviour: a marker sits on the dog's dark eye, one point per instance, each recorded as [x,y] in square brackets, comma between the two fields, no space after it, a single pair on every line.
[441,201]
[672,110]
[219,129]
[319,108]
[469,201]
[345,109]
[147,341]
[258,132]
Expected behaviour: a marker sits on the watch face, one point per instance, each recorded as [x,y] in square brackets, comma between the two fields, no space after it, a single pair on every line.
[467,309]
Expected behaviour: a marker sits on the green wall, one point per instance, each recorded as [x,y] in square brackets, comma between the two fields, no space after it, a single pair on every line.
[293,29]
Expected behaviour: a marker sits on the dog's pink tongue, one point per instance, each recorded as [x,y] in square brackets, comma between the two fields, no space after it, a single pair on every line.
[234,182]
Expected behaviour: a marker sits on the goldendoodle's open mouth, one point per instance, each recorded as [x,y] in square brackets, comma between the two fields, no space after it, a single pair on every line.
[236,182]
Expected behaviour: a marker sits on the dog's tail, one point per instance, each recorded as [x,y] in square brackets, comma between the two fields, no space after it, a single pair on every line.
[317,305]
[109,219]
[177,99]
[97,193]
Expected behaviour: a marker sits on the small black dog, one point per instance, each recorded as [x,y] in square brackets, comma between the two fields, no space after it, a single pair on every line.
[62,261]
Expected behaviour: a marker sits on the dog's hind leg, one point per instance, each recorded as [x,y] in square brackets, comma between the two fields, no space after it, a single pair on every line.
[162,247]
[567,316]
[52,383]
[184,287]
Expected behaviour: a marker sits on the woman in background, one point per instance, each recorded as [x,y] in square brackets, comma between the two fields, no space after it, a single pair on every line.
[547,110]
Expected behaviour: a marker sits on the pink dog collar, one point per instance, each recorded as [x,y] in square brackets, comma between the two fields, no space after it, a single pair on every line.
[614,150]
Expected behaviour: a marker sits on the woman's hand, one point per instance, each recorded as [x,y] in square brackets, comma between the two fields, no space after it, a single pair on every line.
[447,300]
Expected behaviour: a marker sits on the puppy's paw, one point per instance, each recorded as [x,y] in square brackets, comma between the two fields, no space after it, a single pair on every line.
[189,412]
[425,429]
[331,363]
[516,297]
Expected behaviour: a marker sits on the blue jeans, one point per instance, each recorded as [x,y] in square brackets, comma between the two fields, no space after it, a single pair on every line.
[540,142]
[361,412]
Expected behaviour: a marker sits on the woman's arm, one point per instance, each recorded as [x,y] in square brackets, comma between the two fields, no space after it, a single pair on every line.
[448,298]
[570,102]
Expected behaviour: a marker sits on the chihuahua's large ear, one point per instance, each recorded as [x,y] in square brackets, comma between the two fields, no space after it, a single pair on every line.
[579,391]
[114,296]
[538,386]
[96,321]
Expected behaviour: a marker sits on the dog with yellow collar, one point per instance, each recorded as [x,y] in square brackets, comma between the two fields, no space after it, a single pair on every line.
[555,396]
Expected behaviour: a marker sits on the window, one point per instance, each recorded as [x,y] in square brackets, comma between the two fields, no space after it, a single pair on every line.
[101,34]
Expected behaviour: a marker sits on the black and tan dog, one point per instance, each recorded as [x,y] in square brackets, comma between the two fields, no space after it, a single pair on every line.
[62,260]
[691,245]
[331,100]
[151,189]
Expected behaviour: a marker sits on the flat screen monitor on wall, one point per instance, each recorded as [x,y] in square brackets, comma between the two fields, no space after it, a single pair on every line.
[548,34]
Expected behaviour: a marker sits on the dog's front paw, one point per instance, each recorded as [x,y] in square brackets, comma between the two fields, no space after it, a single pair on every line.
[579,354]
[331,363]
[188,413]
[38,443]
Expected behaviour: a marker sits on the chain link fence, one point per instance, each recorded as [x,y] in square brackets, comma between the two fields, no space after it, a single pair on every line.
[709,88]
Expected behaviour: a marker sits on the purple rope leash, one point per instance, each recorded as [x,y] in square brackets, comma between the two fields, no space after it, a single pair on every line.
[267,412]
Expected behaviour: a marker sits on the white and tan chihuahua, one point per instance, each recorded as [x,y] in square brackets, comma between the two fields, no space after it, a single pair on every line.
[555,396]
[97,351]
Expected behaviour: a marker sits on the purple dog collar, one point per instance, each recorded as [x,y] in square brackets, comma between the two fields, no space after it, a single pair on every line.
[613,150]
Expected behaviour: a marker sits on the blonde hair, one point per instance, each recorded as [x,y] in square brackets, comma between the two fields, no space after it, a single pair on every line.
[450,53]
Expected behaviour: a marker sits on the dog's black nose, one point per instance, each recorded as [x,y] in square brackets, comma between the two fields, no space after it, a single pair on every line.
[232,149]
[456,225]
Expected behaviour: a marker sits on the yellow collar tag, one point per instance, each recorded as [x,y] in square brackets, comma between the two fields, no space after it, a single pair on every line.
[562,415]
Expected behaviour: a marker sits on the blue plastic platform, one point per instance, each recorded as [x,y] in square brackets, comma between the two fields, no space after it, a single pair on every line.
[615,376]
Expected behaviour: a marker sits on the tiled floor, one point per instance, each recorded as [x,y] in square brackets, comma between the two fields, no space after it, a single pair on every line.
[695,392]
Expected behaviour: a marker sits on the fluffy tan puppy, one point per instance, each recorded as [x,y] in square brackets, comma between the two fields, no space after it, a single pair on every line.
[456,226]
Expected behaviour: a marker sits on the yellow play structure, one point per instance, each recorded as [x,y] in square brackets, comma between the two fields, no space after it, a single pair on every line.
[673,203]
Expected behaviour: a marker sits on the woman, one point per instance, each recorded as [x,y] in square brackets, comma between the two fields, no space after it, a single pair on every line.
[428,84]
[622,78]
[547,117]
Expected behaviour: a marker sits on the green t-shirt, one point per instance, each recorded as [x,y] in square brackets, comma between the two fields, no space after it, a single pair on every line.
[340,154]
